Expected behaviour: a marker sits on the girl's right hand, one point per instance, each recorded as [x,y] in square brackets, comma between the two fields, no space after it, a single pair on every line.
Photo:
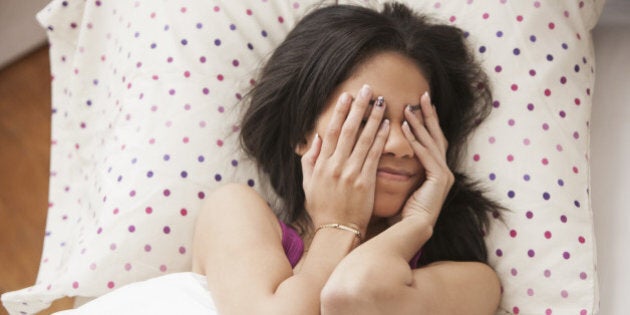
[339,171]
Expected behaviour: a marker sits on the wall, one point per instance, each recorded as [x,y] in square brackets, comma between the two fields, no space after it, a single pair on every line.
[610,156]
[19,31]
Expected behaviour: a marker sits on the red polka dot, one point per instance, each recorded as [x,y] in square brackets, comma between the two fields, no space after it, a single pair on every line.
[551,25]
[547,234]
[519,18]
[547,92]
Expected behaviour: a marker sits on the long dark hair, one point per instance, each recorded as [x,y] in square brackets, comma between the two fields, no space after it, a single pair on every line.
[321,52]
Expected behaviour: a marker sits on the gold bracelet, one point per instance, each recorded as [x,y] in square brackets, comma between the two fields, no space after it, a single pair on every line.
[339,226]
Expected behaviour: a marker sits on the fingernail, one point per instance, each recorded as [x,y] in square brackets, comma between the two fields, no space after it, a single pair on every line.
[345,97]
[385,124]
[379,101]
[405,124]
[316,136]
[366,91]
[409,108]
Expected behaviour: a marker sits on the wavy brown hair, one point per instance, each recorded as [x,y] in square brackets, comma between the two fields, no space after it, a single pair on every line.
[322,51]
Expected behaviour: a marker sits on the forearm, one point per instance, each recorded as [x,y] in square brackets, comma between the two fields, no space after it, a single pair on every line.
[378,267]
[301,292]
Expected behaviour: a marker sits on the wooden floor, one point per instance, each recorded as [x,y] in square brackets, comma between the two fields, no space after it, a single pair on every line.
[24,170]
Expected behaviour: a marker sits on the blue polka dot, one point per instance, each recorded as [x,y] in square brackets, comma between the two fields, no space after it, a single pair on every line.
[217,42]
[184,42]
[232,27]
[565,46]
[200,158]
[250,46]
[250,182]
[546,196]
[263,33]
[532,38]
[549,57]
[511,194]
[516,51]
[184,174]
[526,177]
[492,176]
[150,174]
[166,157]
[499,34]
[217,177]
[199,25]
[153,45]
[482,49]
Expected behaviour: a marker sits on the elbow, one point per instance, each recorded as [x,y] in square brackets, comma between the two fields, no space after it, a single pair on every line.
[340,299]
[348,295]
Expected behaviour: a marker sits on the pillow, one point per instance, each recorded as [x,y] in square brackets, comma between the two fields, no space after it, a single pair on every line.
[145,124]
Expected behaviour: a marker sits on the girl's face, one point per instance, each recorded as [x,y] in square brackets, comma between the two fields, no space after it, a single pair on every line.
[399,80]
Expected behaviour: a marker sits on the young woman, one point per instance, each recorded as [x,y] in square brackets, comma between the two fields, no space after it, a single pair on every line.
[359,119]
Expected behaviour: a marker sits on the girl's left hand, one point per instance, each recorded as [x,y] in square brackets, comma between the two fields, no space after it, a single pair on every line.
[429,145]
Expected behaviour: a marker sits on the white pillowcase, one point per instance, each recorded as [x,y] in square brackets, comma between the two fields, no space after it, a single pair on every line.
[145,106]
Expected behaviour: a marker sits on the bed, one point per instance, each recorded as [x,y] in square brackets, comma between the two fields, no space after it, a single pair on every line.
[146,99]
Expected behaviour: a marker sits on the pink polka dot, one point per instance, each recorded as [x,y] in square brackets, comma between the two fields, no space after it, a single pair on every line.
[163,268]
[183,212]
[564,294]
[110,284]
[530,292]
[75,285]
[510,158]
[476,157]
[514,87]
[547,234]
[127,266]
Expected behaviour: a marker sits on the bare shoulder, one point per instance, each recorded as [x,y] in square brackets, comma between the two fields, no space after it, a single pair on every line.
[232,212]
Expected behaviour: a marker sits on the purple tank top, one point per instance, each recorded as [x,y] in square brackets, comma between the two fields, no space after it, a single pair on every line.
[293,246]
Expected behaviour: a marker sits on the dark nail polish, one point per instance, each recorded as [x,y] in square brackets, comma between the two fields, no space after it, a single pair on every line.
[379,101]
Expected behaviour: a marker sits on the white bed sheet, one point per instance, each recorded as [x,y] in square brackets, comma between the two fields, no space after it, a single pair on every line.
[177,293]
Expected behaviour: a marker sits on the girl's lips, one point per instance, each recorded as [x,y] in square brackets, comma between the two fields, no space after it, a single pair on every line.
[393,174]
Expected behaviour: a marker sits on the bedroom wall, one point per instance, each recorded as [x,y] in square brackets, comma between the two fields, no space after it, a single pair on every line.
[19,31]
[610,153]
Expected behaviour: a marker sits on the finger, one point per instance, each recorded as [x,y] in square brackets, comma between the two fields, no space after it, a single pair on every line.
[422,135]
[334,126]
[368,134]
[376,150]
[432,122]
[310,158]
[426,157]
[351,126]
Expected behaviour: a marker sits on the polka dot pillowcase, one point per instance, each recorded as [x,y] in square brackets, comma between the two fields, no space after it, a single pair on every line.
[146,100]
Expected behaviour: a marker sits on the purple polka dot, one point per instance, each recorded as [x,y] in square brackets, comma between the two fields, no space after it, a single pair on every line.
[566,255]
[499,252]
[563,218]
[531,253]
[150,174]
[217,42]
[511,194]
[250,182]
[217,177]
[147,248]
[516,51]
[547,273]
[482,49]
[153,45]
[131,228]
[546,196]
[529,214]
[499,34]
[549,57]
[232,27]
[166,230]
[200,158]
[263,33]
[532,38]
[199,25]
[166,157]
[492,176]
